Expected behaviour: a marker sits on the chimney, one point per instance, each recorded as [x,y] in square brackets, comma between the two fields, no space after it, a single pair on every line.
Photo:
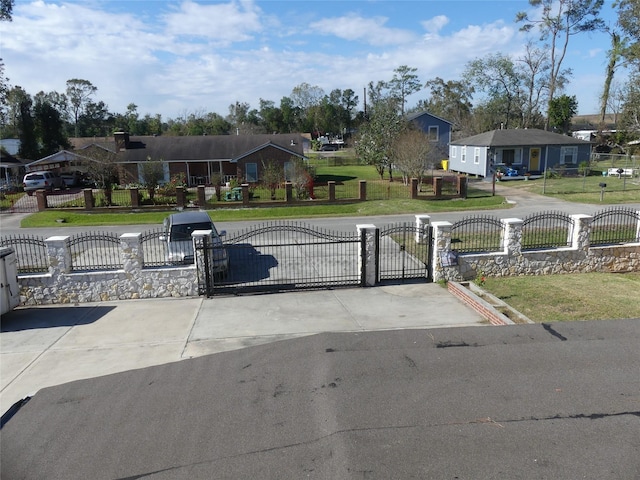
[122,141]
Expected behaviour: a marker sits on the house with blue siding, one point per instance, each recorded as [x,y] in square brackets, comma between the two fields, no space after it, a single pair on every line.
[523,150]
[437,129]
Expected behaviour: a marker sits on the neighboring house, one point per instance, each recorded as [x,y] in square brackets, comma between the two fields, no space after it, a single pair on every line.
[11,169]
[198,158]
[437,129]
[524,150]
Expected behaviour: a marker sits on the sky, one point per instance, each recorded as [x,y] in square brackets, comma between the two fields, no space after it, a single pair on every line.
[177,58]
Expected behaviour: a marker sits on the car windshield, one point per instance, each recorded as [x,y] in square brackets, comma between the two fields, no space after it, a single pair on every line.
[35,177]
[181,233]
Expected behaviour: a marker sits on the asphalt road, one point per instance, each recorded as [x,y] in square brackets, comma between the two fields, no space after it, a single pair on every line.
[520,203]
[557,401]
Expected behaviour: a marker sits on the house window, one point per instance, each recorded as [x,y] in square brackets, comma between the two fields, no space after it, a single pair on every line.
[568,155]
[509,156]
[251,172]
[463,154]
[454,152]
[476,155]
[433,133]
[288,171]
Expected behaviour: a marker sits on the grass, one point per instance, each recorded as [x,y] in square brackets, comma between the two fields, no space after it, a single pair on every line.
[60,218]
[584,296]
[583,189]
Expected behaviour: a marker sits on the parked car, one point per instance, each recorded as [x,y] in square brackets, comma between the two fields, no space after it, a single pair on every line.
[41,181]
[71,179]
[178,228]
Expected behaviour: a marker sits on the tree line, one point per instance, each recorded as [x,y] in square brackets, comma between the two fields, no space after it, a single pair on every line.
[496,91]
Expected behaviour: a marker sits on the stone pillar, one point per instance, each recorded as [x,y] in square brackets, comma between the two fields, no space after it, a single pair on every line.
[422,230]
[332,190]
[135,199]
[180,197]
[368,258]
[512,236]
[89,202]
[414,188]
[202,199]
[131,251]
[437,186]
[41,200]
[245,193]
[363,190]
[288,192]
[442,253]
[59,255]
[581,231]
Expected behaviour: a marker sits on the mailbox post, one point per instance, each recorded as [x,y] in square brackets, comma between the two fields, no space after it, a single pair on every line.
[602,187]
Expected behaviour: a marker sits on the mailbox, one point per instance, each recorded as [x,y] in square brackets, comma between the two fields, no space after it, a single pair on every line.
[603,185]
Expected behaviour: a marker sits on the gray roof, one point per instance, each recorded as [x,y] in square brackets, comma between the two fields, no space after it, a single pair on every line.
[415,115]
[208,147]
[518,138]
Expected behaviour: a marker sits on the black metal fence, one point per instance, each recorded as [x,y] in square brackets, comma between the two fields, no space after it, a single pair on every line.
[31,252]
[404,252]
[614,226]
[546,230]
[475,234]
[154,248]
[95,251]
[283,256]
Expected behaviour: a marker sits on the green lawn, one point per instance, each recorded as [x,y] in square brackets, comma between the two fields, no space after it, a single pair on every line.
[584,296]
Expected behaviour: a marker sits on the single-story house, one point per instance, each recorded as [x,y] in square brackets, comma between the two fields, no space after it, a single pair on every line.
[437,129]
[238,157]
[523,150]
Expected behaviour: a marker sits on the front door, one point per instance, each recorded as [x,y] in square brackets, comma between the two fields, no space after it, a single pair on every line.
[534,159]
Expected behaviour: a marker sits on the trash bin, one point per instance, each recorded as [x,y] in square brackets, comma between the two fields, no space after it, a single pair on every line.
[445,164]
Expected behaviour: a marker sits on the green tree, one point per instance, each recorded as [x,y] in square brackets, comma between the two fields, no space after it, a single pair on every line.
[272,176]
[561,111]
[628,15]
[6,7]
[152,174]
[26,127]
[375,143]
[559,21]
[450,100]
[49,127]
[496,75]
[404,83]
[78,93]
[630,115]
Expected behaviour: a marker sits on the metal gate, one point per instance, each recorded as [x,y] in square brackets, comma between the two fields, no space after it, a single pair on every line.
[404,252]
[283,256]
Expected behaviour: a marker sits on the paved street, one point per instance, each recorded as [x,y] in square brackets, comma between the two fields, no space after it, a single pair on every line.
[558,401]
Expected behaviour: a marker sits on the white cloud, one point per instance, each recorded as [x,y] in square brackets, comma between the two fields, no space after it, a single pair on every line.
[435,24]
[226,22]
[371,31]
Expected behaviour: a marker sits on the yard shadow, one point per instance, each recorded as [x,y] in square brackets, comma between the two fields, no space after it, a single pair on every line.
[339,179]
[26,318]
[248,265]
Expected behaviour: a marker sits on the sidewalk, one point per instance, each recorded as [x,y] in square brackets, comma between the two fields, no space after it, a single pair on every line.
[50,345]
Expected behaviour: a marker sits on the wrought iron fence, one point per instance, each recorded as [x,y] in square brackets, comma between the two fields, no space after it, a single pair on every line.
[95,251]
[615,225]
[400,256]
[546,230]
[475,234]
[31,252]
[154,248]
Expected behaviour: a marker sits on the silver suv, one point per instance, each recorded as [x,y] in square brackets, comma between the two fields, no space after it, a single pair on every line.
[177,235]
[41,181]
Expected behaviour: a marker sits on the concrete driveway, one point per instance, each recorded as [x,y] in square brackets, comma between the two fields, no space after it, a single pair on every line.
[45,346]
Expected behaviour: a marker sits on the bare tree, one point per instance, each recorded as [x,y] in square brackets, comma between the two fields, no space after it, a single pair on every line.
[559,21]
[412,152]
